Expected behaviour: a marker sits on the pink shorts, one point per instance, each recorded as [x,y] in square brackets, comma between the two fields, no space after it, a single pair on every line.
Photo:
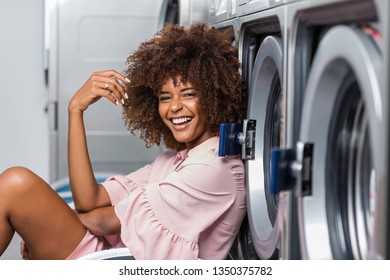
[88,245]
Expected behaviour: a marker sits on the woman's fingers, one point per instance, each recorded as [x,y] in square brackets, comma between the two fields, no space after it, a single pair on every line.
[109,95]
[106,84]
[111,80]
[112,74]
[116,89]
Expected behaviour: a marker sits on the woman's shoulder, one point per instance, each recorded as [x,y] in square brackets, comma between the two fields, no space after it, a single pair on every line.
[209,150]
[218,165]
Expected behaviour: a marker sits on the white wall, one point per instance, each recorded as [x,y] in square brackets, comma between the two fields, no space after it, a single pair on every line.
[23,122]
[23,95]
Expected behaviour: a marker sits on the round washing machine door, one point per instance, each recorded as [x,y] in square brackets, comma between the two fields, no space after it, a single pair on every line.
[264,106]
[342,116]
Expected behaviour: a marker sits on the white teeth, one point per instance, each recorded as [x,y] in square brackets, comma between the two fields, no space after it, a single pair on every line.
[181,120]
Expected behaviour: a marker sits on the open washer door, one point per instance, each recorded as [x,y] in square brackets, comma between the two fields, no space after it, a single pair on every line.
[342,116]
[264,106]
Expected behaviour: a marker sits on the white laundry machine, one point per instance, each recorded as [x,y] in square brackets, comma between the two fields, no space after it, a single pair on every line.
[220,11]
[82,37]
[316,73]
[222,16]
[246,7]
[337,124]
[262,57]
[170,12]
[184,12]
[260,41]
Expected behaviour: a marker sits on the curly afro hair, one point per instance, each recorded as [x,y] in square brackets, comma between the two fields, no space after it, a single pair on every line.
[200,55]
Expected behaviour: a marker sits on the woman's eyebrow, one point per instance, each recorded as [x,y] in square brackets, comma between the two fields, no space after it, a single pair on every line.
[189,88]
[182,90]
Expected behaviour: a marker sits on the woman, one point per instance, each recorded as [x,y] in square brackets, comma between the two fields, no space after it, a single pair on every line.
[187,204]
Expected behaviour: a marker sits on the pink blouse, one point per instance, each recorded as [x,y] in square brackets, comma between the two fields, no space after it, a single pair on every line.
[185,205]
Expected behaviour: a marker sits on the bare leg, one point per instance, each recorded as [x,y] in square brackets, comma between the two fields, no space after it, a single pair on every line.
[29,206]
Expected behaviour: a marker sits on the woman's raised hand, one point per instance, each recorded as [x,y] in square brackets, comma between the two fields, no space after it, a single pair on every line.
[100,84]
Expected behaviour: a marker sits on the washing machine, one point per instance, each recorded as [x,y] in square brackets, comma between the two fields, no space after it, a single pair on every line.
[183,12]
[337,128]
[259,36]
[246,7]
[73,39]
[262,59]
[261,50]
[316,73]
[170,12]
[222,15]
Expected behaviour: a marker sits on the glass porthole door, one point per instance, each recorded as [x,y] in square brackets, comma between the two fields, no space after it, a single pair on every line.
[264,106]
[343,99]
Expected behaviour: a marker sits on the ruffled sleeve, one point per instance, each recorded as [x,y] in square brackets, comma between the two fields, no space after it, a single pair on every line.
[163,220]
[119,187]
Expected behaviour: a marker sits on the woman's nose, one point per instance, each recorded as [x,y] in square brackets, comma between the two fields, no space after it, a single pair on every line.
[176,104]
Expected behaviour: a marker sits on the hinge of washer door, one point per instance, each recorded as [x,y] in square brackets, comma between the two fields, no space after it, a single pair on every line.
[305,161]
[290,167]
[237,139]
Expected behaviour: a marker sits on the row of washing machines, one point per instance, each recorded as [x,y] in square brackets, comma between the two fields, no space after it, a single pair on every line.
[317,124]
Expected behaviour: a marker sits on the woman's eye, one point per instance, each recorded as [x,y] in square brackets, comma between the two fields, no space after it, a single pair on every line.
[189,95]
[164,98]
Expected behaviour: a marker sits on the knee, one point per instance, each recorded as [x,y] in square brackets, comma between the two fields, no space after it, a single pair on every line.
[19,186]
[16,176]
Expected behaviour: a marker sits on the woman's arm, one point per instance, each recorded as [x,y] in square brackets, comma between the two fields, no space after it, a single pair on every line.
[87,194]
[101,221]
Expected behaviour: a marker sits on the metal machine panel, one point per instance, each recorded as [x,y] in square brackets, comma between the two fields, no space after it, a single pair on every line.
[221,10]
[245,7]
[379,246]
[193,11]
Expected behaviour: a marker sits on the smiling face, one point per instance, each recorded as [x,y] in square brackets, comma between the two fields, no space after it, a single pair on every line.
[178,109]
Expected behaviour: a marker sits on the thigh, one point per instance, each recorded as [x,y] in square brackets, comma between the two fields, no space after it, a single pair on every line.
[50,228]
